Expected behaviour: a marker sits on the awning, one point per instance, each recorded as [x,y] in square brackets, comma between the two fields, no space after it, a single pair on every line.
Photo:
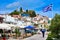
[29,27]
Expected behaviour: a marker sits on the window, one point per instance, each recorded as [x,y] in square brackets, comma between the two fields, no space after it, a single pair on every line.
[41,25]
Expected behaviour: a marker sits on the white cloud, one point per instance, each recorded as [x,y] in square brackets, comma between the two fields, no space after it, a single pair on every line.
[14,4]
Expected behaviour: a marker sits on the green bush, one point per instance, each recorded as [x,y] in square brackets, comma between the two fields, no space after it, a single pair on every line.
[49,37]
[17,32]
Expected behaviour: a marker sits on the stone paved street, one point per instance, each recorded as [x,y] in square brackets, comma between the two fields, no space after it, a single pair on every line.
[14,39]
[34,37]
[37,37]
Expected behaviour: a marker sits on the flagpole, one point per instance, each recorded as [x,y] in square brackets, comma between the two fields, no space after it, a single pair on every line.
[52,11]
[52,14]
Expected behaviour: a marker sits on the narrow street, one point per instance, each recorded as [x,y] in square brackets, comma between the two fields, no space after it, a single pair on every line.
[37,37]
[34,37]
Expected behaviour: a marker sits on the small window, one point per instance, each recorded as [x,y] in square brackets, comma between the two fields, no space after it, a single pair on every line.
[41,25]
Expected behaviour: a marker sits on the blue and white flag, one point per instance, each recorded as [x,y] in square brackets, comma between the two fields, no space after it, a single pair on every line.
[48,8]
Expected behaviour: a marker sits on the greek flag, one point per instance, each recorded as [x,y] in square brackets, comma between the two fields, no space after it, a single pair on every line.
[48,8]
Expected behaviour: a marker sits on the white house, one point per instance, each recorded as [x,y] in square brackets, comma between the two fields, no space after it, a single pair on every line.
[9,19]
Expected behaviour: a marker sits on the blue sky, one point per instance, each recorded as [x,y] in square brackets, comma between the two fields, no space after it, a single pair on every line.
[7,6]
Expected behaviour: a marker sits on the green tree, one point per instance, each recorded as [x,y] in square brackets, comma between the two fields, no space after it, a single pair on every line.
[32,13]
[55,27]
[21,10]
[27,11]
[15,12]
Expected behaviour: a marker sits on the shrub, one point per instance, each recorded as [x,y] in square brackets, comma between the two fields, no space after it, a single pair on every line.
[49,37]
